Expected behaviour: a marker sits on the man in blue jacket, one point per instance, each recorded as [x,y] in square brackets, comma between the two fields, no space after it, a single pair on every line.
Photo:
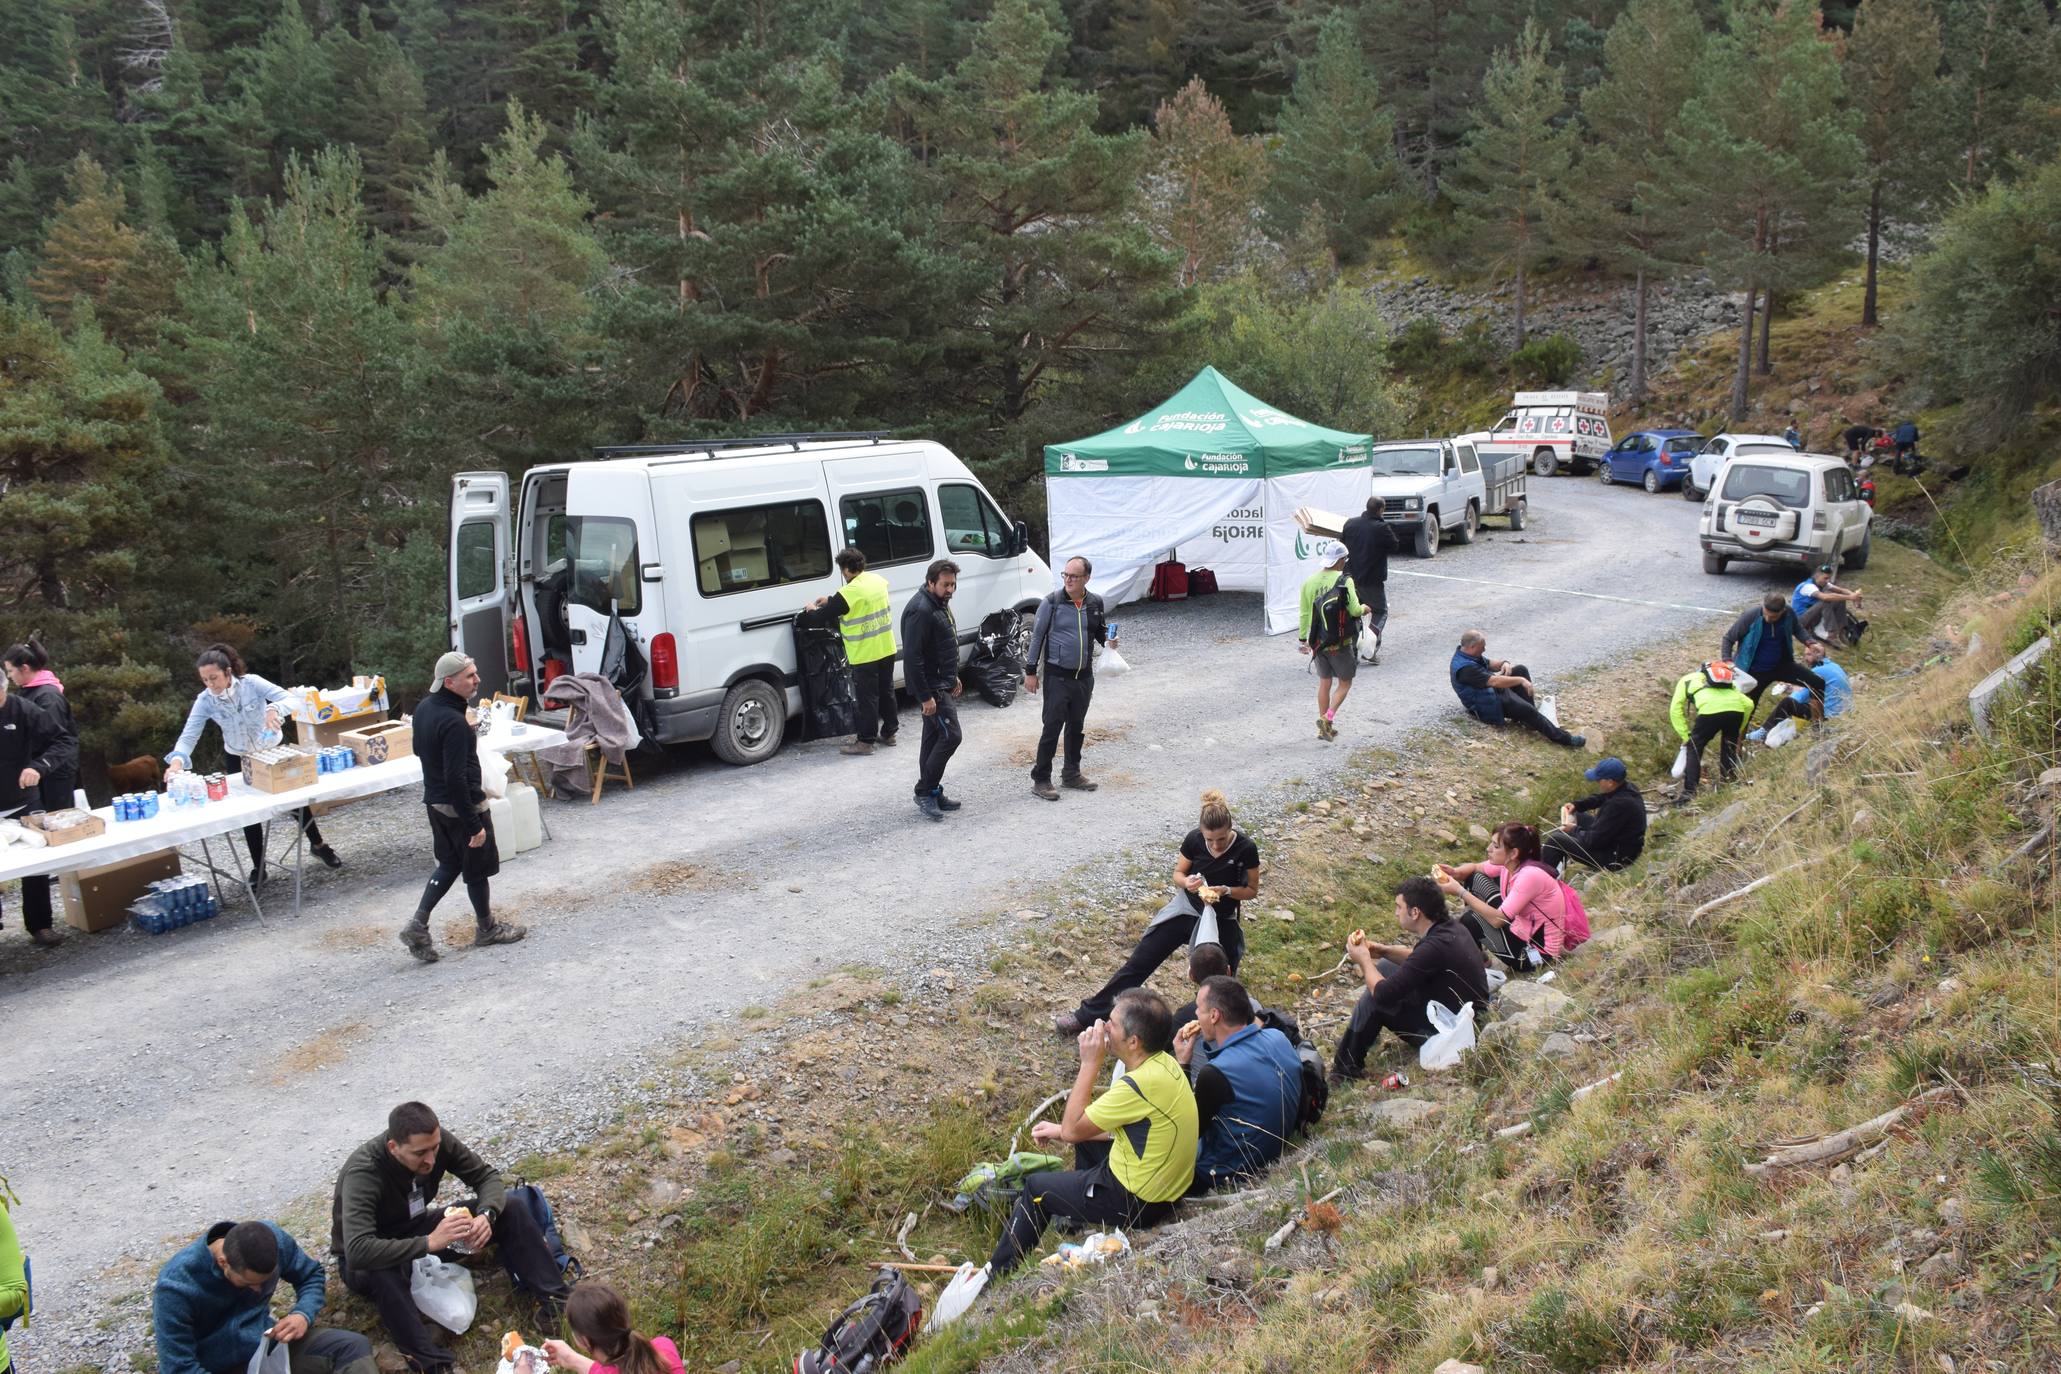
[1248,1090]
[930,670]
[1496,690]
[1759,643]
[213,1305]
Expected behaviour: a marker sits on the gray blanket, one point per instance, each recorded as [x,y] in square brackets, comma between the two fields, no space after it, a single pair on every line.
[599,718]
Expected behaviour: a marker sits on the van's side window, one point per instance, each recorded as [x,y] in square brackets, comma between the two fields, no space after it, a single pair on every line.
[602,556]
[888,526]
[1468,462]
[972,524]
[477,563]
[760,546]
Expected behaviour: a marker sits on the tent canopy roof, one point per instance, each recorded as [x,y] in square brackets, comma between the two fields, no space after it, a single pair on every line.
[1209,428]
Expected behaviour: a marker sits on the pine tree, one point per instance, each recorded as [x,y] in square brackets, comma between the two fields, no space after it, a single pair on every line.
[1626,116]
[92,255]
[1428,58]
[1337,148]
[2001,57]
[1208,184]
[47,115]
[1893,81]
[1514,164]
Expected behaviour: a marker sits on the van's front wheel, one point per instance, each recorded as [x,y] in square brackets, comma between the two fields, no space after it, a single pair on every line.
[751,723]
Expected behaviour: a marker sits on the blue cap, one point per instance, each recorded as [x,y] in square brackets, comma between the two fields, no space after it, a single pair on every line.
[1609,770]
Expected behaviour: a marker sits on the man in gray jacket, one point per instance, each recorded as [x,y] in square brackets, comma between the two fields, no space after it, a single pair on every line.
[1070,624]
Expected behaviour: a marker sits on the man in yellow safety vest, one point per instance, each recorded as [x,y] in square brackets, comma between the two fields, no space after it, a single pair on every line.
[869,646]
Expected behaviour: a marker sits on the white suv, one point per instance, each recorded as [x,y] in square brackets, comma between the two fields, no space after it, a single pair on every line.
[1703,468]
[1800,509]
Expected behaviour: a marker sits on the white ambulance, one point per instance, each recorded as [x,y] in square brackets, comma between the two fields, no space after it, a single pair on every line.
[1554,430]
[706,551]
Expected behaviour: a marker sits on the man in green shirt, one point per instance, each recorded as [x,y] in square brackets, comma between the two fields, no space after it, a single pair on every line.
[1134,1145]
[1330,635]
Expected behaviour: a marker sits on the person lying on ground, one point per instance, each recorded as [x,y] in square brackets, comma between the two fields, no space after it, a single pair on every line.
[1248,1085]
[1496,690]
[1527,927]
[212,1306]
[385,1216]
[1606,829]
[1134,1146]
[1826,610]
[1445,965]
[603,1343]
[1205,961]
[1713,692]
[1762,644]
[1219,867]
[1797,705]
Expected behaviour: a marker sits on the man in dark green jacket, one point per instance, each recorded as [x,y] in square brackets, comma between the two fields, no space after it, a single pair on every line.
[386,1217]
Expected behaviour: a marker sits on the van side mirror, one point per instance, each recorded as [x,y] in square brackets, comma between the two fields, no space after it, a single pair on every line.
[1020,543]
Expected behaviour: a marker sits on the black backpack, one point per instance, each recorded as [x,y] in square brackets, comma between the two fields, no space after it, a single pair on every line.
[1332,623]
[1316,1086]
[872,1332]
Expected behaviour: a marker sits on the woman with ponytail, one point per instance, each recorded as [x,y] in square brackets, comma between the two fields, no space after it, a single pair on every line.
[30,678]
[1527,923]
[602,1341]
[1220,867]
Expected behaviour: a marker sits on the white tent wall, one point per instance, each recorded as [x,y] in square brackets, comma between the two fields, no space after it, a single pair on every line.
[1343,490]
[1124,525]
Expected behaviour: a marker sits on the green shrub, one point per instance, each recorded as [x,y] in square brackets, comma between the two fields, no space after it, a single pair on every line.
[1547,361]
[1418,346]
[1560,1333]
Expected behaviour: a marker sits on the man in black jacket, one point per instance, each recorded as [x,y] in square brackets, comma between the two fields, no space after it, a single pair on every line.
[385,1216]
[34,747]
[461,829]
[930,670]
[1606,829]
[1444,966]
[1368,543]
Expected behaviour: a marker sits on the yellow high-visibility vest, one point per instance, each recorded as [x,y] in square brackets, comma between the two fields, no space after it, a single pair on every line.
[869,635]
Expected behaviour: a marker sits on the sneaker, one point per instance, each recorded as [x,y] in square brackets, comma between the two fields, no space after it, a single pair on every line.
[1338,1078]
[1077,783]
[1324,730]
[257,877]
[1069,1024]
[1577,741]
[945,803]
[326,855]
[926,802]
[46,937]
[415,935]
[1044,788]
[889,741]
[1757,735]
[499,933]
[857,747]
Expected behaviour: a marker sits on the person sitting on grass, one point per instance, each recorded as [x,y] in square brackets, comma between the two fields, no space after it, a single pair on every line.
[1526,927]
[1248,1087]
[1134,1146]
[212,1306]
[1496,691]
[1797,705]
[1606,829]
[1205,961]
[602,1341]
[1826,610]
[1402,981]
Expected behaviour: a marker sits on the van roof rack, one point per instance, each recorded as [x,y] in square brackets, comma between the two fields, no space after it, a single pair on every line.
[712,447]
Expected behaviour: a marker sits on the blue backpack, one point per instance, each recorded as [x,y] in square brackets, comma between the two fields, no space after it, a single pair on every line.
[28,1302]
[531,1197]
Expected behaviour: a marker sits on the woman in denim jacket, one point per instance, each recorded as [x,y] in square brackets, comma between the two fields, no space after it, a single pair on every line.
[245,708]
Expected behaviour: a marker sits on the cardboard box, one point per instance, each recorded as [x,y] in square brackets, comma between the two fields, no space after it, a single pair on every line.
[83,825]
[98,898]
[328,732]
[711,573]
[743,567]
[289,770]
[381,742]
[1315,521]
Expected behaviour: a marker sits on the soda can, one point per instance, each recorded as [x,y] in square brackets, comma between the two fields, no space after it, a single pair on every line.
[218,787]
[1394,1081]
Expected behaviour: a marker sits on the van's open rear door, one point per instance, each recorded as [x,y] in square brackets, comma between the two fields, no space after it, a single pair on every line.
[482,583]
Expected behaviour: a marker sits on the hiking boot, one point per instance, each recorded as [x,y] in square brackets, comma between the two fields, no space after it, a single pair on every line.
[547,1317]
[46,937]
[1577,741]
[945,803]
[1077,783]
[415,935]
[1069,1024]
[1338,1078]
[926,802]
[1325,730]
[889,741]
[857,747]
[1042,787]
[499,933]
[326,855]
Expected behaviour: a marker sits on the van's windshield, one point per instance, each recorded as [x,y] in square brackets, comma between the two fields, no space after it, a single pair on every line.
[1406,462]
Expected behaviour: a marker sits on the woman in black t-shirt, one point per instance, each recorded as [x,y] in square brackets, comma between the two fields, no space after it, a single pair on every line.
[1220,867]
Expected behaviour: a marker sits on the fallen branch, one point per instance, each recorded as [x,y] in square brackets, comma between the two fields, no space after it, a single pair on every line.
[1036,1112]
[1836,1146]
[913,1268]
[2027,849]
[1776,828]
[1736,893]
[1524,1128]
[1274,1241]
[902,1236]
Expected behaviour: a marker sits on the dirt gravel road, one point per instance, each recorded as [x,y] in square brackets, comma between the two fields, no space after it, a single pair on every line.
[156,1085]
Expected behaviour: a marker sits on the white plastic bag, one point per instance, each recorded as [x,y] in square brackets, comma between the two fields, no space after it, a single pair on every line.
[443,1293]
[1681,763]
[958,1296]
[1452,1035]
[269,1358]
[1784,731]
[1109,663]
[493,774]
[1549,707]
[1207,931]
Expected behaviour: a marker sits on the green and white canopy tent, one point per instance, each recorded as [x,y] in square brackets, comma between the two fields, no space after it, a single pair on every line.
[1213,477]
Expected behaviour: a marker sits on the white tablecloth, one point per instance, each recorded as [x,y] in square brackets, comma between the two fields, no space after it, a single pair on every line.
[173,826]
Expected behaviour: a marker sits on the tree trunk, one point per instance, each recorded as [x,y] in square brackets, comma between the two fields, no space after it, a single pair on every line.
[1639,336]
[1767,319]
[1745,358]
[1874,253]
[1520,305]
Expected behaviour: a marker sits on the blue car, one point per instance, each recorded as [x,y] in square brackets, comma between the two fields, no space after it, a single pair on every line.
[1657,459]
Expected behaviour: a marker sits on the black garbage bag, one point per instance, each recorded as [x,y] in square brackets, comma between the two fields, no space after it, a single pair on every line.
[623,664]
[996,668]
[830,706]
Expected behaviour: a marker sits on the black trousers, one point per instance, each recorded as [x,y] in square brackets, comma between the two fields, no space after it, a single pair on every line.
[1793,673]
[1066,711]
[519,1245]
[1350,1058]
[1788,708]
[35,911]
[1089,1193]
[879,715]
[254,835]
[941,737]
[1519,709]
[1724,726]
[1374,596]
[1559,847]
[324,1350]
[1153,949]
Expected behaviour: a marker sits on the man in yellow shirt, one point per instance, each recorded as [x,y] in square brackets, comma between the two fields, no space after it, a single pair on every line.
[1134,1145]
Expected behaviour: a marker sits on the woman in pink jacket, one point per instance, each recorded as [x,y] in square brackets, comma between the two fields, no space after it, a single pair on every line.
[602,1341]
[1526,926]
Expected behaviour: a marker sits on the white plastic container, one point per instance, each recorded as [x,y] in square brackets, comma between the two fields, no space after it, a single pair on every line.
[518,823]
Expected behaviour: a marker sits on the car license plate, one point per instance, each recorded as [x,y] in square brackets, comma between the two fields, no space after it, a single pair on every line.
[1747,517]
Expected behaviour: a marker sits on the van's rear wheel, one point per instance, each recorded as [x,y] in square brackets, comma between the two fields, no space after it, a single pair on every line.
[1543,463]
[1689,492]
[1857,559]
[751,724]
[1715,564]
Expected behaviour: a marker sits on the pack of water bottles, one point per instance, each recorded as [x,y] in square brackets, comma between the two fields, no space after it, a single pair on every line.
[135,806]
[170,903]
[335,758]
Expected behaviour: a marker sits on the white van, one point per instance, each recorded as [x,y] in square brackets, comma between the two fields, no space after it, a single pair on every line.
[1553,430]
[708,551]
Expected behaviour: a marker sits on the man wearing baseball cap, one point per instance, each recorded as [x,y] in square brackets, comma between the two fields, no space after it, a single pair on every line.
[1330,635]
[1606,829]
[459,824]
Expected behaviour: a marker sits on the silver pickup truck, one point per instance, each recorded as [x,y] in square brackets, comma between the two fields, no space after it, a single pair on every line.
[1436,490]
